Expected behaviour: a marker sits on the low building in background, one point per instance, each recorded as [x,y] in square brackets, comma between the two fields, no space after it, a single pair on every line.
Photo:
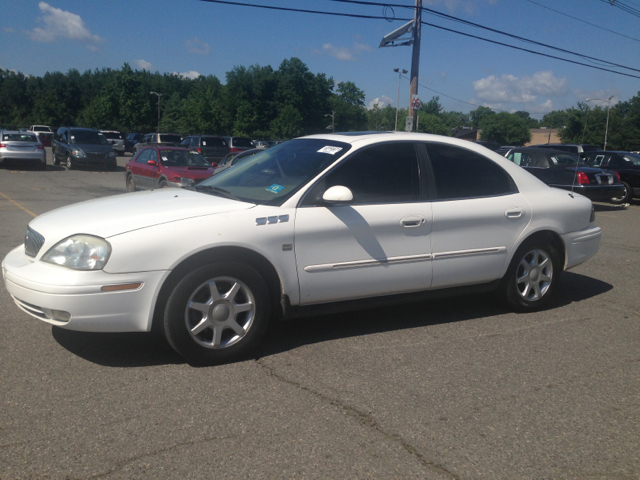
[543,135]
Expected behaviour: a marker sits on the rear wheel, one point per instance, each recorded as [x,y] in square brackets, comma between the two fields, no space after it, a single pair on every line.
[625,197]
[217,313]
[532,276]
[163,184]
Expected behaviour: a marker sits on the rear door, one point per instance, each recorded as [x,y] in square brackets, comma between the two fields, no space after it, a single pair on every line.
[478,215]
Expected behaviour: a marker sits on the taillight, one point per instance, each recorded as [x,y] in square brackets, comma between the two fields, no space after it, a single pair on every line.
[617,176]
[2,145]
[235,150]
[199,150]
[40,147]
[582,178]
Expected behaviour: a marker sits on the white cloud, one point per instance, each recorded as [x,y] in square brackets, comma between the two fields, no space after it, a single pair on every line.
[60,24]
[8,30]
[195,45]
[382,101]
[440,74]
[192,74]
[143,64]
[511,89]
[545,107]
[344,53]
[602,95]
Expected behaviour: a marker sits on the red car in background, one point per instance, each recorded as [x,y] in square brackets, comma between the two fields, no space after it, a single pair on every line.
[161,167]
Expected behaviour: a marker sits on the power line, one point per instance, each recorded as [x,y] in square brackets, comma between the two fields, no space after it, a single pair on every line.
[584,21]
[493,30]
[623,6]
[423,23]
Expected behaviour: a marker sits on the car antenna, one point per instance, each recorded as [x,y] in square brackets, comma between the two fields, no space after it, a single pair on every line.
[575,174]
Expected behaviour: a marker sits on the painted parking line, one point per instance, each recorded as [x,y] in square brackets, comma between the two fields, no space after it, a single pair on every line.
[19,206]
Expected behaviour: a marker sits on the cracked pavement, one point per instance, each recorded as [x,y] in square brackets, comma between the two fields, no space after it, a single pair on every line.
[450,389]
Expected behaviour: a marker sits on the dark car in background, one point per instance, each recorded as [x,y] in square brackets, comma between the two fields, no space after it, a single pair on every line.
[161,167]
[580,149]
[211,147]
[239,144]
[116,139]
[626,165]
[563,170]
[131,140]
[74,146]
[494,146]
[235,158]
[158,140]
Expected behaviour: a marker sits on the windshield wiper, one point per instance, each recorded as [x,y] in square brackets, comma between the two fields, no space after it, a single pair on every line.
[221,192]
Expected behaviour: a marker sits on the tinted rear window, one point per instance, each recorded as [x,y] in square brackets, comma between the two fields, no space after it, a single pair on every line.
[213,142]
[242,142]
[113,135]
[590,148]
[19,137]
[170,139]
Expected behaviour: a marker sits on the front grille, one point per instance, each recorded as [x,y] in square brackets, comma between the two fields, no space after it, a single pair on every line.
[31,309]
[97,156]
[33,242]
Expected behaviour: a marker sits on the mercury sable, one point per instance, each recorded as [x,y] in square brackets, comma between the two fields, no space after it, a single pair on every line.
[320,222]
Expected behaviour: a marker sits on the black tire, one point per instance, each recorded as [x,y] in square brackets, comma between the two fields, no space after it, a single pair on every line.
[626,196]
[218,340]
[520,290]
[131,183]
[163,184]
[70,164]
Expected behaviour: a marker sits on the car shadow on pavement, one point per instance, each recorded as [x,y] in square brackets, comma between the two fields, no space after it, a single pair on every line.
[284,336]
[118,349]
[145,349]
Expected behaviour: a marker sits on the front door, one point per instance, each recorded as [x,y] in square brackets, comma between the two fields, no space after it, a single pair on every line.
[379,243]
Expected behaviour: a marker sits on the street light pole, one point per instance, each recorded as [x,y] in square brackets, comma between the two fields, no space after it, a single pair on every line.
[159,96]
[397,70]
[333,124]
[606,129]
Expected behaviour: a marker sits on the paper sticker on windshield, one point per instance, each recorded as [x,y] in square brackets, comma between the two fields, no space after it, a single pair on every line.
[73,137]
[165,159]
[330,150]
[204,143]
[275,188]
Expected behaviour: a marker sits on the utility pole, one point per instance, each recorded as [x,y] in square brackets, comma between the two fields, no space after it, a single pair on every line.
[159,96]
[415,63]
[333,124]
[397,70]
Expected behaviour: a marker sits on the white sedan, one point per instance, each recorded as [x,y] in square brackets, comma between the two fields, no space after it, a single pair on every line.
[320,222]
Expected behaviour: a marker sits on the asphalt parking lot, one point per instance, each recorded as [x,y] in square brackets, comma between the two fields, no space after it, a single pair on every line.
[449,389]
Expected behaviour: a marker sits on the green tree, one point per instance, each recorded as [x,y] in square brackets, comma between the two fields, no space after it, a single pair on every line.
[288,123]
[348,105]
[506,129]
[432,107]
[431,123]
[479,114]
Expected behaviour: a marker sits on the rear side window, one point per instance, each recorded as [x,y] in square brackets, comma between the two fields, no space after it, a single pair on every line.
[461,173]
[521,158]
[242,142]
[214,142]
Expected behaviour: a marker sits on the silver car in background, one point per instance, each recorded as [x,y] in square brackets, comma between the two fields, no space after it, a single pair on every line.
[22,148]
[116,139]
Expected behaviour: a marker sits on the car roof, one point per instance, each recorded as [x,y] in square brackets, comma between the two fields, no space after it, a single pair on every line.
[546,151]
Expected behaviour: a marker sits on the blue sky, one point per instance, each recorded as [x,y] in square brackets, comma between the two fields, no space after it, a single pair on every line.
[191,37]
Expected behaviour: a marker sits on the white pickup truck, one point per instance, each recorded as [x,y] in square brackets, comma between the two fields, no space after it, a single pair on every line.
[44,133]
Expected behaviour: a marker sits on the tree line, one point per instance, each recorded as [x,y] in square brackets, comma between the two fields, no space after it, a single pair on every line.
[260,102]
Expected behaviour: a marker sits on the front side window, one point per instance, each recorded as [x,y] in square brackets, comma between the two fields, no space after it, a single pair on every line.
[521,158]
[380,174]
[460,173]
[273,175]
[143,156]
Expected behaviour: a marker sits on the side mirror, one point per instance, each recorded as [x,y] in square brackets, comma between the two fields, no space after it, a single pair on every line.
[152,162]
[337,194]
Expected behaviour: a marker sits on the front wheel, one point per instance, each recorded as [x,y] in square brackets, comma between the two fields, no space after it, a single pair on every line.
[532,277]
[70,163]
[626,196]
[217,313]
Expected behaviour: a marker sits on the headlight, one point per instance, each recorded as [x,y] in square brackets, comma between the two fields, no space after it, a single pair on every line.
[78,153]
[79,252]
[112,154]
[186,181]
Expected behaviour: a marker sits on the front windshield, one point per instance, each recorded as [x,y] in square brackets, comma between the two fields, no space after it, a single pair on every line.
[182,158]
[87,137]
[632,157]
[273,175]
[19,137]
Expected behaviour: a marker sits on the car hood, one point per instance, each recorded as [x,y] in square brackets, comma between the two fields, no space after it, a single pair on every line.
[197,173]
[91,148]
[109,216]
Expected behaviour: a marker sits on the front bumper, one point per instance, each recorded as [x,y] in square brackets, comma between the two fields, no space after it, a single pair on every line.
[91,160]
[43,291]
[581,245]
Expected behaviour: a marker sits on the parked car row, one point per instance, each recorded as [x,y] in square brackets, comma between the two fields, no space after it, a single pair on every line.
[22,147]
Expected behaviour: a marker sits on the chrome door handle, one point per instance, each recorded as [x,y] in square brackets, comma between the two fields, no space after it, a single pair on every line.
[513,213]
[412,221]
